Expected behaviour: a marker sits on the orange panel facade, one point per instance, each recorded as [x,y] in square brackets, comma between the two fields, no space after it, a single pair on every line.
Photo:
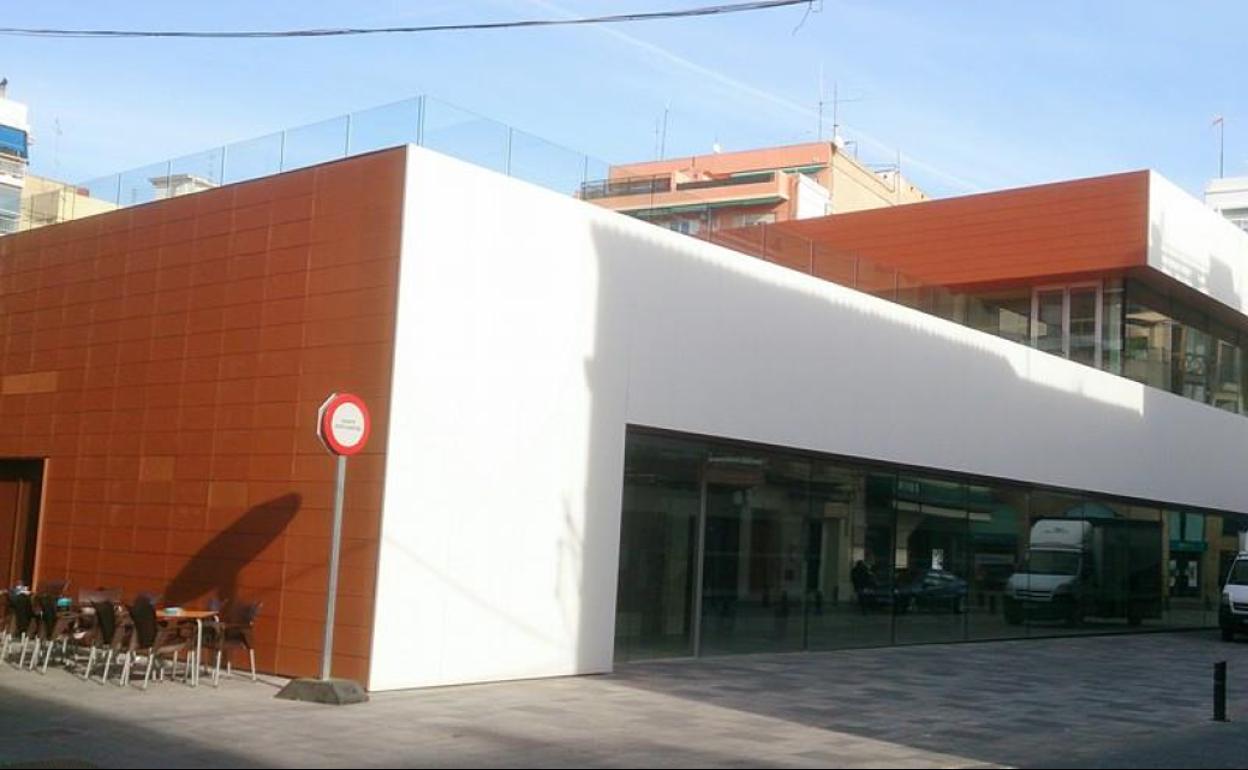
[168,360]
[1088,226]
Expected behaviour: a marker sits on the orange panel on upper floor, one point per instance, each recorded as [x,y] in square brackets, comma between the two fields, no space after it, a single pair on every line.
[1084,226]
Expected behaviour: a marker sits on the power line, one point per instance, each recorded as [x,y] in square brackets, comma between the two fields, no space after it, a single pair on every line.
[708,10]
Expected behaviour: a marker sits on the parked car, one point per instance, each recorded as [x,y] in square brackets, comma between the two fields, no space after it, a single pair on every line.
[930,590]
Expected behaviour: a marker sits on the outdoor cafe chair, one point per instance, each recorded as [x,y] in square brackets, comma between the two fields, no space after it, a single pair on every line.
[235,630]
[150,639]
[16,619]
[54,625]
[107,632]
[24,623]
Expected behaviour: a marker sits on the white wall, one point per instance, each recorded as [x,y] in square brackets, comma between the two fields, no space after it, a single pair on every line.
[533,327]
[1189,242]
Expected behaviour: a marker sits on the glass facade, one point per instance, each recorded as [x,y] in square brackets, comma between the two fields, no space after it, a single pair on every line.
[1173,346]
[1122,326]
[731,548]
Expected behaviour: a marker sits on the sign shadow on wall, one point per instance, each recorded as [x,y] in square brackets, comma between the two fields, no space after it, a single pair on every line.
[213,570]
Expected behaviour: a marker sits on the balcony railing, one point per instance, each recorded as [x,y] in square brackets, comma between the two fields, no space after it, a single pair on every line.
[634,185]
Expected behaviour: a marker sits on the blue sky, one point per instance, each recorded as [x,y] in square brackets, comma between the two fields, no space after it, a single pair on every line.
[975,95]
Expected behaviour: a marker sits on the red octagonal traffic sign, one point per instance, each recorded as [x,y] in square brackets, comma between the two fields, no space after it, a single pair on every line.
[343,424]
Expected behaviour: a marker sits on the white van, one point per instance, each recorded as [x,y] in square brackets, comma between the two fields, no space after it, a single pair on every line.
[1233,610]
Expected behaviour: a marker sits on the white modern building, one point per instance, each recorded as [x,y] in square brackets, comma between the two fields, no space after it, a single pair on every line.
[1229,197]
[598,440]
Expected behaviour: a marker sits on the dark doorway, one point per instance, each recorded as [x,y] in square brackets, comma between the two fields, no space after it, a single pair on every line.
[20,492]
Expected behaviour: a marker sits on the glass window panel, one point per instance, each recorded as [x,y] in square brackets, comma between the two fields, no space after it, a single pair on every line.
[1193,543]
[1147,331]
[1146,583]
[997,524]
[1004,314]
[931,582]
[1227,370]
[1050,323]
[754,577]
[658,532]
[1111,326]
[1092,565]
[849,547]
[1084,334]
[1191,362]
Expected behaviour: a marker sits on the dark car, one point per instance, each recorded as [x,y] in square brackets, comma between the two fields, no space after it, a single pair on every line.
[928,590]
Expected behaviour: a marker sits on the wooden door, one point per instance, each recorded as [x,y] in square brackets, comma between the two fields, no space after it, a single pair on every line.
[19,519]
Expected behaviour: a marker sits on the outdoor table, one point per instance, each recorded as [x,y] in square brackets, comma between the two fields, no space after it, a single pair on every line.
[198,616]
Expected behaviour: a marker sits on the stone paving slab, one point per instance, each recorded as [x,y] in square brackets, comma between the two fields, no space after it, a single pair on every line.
[1080,702]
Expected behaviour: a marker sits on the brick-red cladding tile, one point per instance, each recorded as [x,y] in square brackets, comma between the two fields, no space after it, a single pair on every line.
[193,341]
[1095,225]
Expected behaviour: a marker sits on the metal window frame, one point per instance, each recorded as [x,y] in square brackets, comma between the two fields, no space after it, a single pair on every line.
[1065,289]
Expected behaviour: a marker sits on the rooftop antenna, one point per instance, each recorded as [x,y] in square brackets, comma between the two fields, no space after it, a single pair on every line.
[837,101]
[1221,124]
[4,86]
[819,132]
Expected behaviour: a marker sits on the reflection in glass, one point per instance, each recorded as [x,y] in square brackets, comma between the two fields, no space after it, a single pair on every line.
[1146,355]
[753,580]
[1084,334]
[799,553]
[1050,322]
[931,584]
[1111,326]
[657,547]
[850,547]
[1004,314]
[997,523]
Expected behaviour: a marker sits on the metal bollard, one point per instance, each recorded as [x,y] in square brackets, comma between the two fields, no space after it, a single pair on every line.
[1219,691]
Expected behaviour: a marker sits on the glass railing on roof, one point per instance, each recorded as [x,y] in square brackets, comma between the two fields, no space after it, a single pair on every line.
[422,120]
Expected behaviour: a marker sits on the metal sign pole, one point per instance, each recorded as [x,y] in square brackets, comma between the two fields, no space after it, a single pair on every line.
[327,648]
[343,426]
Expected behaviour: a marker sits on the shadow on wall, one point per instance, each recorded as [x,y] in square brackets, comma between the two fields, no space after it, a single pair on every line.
[1218,282]
[214,569]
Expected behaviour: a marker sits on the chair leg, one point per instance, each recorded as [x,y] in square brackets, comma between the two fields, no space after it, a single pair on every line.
[147,673]
[125,670]
[86,673]
[108,662]
[34,656]
[48,657]
[252,654]
[216,671]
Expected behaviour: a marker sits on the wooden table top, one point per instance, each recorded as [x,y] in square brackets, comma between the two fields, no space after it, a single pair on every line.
[186,615]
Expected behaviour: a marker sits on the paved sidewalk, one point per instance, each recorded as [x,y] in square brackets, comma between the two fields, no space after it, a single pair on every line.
[1099,701]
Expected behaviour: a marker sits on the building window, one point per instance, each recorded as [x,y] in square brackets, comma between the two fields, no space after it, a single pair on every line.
[733,548]
[750,220]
